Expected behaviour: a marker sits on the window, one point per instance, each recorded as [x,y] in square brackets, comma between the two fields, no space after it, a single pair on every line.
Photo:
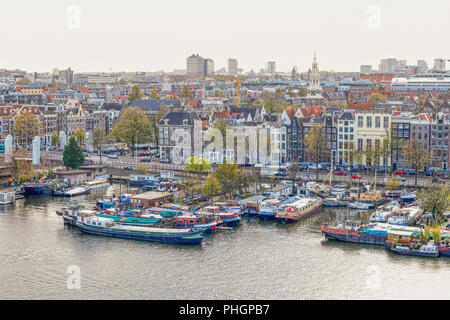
[360,121]
[369,122]
[377,122]
[386,122]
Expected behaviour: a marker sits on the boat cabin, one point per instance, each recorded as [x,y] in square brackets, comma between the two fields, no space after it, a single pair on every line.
[400,237]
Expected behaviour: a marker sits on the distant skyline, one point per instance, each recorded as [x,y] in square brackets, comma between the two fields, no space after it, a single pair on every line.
[158,35]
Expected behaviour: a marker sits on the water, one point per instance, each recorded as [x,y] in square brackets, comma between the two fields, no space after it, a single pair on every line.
[258,260]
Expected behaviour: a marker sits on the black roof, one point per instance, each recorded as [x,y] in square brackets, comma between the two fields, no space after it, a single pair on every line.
[177,118]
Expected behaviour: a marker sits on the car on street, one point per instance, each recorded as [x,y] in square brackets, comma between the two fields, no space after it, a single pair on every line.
[356,176]
[436,180]
[399,171]
[341,173]
[145,160]
[113,156]
[164,160]
[128,168]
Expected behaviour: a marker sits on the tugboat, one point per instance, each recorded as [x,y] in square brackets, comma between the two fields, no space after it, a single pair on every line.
[296,211]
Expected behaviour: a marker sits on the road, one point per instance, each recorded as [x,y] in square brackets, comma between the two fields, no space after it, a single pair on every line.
[155,166]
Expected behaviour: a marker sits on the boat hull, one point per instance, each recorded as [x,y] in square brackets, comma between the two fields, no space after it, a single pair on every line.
[283,219]
[353,236]
[188,238]
[36,191]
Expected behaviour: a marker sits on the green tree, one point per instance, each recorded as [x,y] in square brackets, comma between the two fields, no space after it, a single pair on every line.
[273,102]
[293,171]
[196,165]
[303,92]
[26,127]
[98,138]
[80,135]
[135,93]
[316,144]
[416,155]
[434,199]
[154,94]
[132,127]
[376,98]
[72,155]
[54,138]
[212,187]
[227,175]
[186,93]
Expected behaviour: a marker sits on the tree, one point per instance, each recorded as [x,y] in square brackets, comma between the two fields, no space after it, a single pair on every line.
[98,137]
[196,165]
[26,127]
[376,98]
[132,127]
[303,92]
[227,175]
[163,110]
[154,94]
[212,187]
[434,199]
[391,145]
[416,155]
[293,171]
[54,138]
[316,145]
[135,93]
[23,82]
[273,103]
[72,155]
[80,136]
[186,93]
[373,154]
[23,172]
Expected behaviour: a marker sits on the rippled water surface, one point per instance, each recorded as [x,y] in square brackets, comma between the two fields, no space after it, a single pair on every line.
[258,260]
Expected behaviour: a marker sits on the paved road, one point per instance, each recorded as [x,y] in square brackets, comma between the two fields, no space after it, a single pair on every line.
[128,161]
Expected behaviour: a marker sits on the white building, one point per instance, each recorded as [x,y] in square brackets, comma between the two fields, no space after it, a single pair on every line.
[429,82]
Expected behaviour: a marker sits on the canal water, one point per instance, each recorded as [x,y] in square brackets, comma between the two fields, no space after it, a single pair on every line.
[258,260]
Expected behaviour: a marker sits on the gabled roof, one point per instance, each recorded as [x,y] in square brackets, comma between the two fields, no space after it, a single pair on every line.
[178,118]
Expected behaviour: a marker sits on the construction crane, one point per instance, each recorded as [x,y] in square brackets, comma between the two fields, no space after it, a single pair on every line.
[237,85]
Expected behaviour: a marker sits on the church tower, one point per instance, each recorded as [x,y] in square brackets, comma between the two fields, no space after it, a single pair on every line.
[314,78]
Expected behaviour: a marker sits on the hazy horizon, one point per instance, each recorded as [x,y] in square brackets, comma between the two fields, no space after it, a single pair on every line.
[159,35]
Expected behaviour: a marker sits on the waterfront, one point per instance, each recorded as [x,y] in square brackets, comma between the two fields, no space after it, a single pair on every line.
[258,260]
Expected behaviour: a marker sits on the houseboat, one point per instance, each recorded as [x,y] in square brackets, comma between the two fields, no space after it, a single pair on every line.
[192,221]
[143,179]
[7,197]
[37,190]
[296,211]
[269,209]
[108,227]
[77,191]
[97,184]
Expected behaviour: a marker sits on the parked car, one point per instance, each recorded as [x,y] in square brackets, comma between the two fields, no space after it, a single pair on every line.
[113,156]
[128,168]
[341,173]
[399,171]
[356,176]
[411,171]
[164,160]
[287,182]
[436,180]
[145,160]
[280,174]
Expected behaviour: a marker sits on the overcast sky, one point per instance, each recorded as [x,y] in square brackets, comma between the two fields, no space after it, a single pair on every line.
[153,35]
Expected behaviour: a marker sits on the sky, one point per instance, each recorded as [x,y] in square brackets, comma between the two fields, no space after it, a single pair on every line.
[154,35]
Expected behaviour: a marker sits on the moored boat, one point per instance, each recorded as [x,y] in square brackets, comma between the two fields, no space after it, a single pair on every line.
[107,227]
[298,210]
[360,205]
[37,189]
